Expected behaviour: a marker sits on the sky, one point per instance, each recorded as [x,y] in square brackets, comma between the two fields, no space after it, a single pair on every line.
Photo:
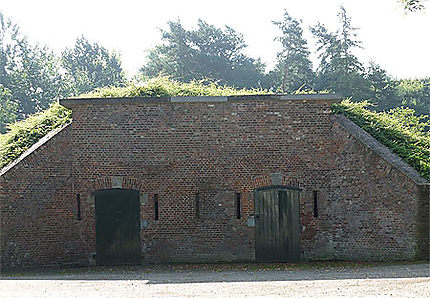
[397,42]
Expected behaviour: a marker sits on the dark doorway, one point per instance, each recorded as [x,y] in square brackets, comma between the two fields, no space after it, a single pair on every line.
[277,225]
[117,227]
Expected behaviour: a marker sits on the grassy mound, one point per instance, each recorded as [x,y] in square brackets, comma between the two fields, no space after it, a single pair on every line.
[399,129]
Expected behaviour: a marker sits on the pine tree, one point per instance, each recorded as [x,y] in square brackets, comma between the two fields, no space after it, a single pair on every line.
[294,68]
[340,70]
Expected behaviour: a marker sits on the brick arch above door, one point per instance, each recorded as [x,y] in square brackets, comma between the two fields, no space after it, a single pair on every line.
[278,178]
[116,182]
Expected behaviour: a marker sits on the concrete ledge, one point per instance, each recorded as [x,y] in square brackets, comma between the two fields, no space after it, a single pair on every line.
[200,99]
[385,153]
[33,148]
[70,102]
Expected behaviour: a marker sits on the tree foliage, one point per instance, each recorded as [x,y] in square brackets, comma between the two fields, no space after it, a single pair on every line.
[91,66]
[8,108]
[414,93]
[33,77]
[30,73]
[412,5]
[207,52]
[339,69]
[294,68]
[380,89]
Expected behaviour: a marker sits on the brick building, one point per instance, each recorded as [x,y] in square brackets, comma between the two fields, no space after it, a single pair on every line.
[266,178]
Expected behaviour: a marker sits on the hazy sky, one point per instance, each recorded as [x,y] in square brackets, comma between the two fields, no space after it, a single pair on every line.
[399,43]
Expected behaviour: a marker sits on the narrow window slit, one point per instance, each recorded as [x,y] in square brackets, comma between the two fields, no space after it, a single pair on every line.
[78,207]
[315,203]
[238,207]
[197,202]
[156,207]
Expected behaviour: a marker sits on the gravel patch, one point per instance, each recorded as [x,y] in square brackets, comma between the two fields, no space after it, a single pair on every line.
[371,281]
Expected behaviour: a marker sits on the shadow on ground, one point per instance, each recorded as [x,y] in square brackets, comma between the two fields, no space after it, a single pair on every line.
[215,273]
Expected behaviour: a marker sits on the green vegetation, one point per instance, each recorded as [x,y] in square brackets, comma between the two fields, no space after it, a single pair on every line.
[32,77]
[399,129]
[412,5]
[91,66]
[207,52]
[293,70]
[23,134]
[164,87]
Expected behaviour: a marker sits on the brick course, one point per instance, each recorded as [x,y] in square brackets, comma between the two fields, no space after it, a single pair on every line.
[368,209]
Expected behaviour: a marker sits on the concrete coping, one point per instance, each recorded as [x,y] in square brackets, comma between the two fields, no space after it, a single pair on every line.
[384,152]
[71,102]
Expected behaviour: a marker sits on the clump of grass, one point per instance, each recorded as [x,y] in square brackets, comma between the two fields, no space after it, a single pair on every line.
[399,129]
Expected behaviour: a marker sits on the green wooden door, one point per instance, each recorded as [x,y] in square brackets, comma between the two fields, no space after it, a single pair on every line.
[117,227]
[277,224]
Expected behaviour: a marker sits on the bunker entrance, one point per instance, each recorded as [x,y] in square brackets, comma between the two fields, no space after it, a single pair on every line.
[277,226]
[117,227]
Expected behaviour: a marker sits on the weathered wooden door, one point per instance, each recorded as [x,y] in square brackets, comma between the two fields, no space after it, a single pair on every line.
[277,224]
[117,227]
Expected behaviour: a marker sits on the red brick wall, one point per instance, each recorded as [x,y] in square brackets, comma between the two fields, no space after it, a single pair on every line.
[38,218]
[367,209]
[216,149]
[376,211]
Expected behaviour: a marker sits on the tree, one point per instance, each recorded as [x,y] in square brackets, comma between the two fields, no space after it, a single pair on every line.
[381,88]
[293,69]
[414,94]
[91,66]
[29,73]
[412,5]
[339,69]
[8,108]
[205,53]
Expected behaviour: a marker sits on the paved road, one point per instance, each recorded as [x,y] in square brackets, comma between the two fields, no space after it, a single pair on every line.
[176,281]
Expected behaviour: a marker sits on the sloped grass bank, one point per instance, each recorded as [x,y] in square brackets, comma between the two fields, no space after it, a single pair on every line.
[399,129]
[24,134]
